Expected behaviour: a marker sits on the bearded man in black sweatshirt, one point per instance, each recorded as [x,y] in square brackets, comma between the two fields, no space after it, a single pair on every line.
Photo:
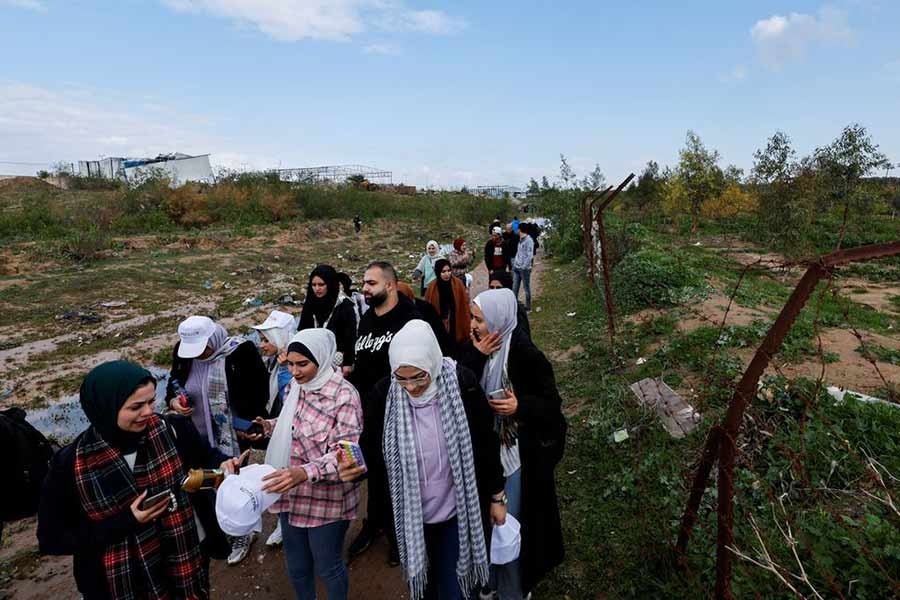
[389,312]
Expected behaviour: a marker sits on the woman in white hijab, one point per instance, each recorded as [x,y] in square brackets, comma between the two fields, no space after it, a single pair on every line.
[320,410]
[276,332]
[522,388]
[429,427]
[425,269]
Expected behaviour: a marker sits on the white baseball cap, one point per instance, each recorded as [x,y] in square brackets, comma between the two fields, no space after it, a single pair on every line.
[194,332]
[496,230]
[275,319]
[240,500]
[506,541]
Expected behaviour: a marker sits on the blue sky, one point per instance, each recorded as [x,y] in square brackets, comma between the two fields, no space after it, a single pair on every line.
[441,94]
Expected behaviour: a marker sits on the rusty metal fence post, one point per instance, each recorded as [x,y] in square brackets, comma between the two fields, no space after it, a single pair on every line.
[604,258]
[722,438]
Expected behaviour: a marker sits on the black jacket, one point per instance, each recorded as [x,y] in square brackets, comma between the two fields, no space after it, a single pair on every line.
[65,529]
[373,341]
[485,443]
[342,324]
[542,436]
[430,315]
[489,255]
[246,374]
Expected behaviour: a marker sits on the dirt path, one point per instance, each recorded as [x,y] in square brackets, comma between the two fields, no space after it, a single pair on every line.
[261,576]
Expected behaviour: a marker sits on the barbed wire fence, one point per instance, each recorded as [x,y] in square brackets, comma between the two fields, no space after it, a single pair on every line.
[730,444]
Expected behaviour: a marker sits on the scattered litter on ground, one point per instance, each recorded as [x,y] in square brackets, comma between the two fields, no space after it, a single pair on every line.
[6,393]
[640,361]
[678,417]
[571,314]
[83,317]
[287,299]
[620,435]
[537,309]
[114,304]
[207,285]
[839,395]
[253,302]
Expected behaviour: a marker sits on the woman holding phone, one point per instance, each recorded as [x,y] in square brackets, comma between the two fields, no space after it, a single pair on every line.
[113,497]
[321,409]
[527,417]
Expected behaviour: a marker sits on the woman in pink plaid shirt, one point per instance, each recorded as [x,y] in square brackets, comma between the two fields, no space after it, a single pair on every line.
[321,408]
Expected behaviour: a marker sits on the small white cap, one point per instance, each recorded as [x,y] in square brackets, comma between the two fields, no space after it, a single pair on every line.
[275,319]
[496,230]
[194,332]
[240,501]
[506,541]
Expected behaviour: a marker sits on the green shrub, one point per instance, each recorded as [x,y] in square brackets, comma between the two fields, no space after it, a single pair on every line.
[84,243]
[652,278]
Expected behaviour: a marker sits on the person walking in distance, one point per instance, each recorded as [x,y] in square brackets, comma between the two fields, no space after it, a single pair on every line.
[496,253]
[521,266]
[388,312]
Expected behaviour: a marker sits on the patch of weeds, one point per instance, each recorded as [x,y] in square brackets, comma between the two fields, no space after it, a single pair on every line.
[653,278]
[880,353]
[162,357]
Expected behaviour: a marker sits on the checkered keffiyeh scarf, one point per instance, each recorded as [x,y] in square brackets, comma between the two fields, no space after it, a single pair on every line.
[159,560]
[224,437]
[403,477]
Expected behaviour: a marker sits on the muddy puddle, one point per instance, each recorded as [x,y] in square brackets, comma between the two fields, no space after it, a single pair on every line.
[62,421]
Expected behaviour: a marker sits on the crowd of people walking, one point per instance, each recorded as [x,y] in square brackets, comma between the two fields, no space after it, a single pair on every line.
[453,407]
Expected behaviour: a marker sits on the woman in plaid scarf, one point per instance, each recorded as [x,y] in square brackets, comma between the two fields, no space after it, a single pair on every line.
[92,505]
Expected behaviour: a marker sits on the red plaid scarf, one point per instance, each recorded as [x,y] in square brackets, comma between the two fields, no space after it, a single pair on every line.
[159,560]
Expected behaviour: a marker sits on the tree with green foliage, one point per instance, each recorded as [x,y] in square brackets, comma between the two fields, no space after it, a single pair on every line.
[648,190]
[566,175]
[533,188]
[699,177]
[593,180]
[545,184]
[842,166]
[356,180]
[786,190]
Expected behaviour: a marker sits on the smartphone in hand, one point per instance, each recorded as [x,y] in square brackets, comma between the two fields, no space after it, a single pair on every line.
[498,394]
[151,501]
[248,427]
[352,453]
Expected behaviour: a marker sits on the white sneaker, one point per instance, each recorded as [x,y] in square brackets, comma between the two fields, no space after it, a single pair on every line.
[275,538]
[240,548]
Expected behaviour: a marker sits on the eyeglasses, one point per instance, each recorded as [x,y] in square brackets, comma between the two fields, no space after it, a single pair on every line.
[414,380]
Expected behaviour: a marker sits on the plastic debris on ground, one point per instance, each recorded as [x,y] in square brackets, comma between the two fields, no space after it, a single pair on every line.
[620,435]
[571,314]
[113,304]
[207,285]
[253,302]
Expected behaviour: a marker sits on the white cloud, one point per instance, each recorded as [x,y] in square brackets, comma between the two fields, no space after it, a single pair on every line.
[35,5]
[340,20]
[47,125]
[783,39]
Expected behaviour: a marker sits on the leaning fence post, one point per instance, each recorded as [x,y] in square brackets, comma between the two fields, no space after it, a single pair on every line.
[723,437]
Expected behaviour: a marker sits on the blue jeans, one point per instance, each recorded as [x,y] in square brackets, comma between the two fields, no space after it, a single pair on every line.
[442,547]
[311,551]
[507,579]
[520,276]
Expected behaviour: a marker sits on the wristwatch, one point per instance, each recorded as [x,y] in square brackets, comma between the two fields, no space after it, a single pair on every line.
[503,500]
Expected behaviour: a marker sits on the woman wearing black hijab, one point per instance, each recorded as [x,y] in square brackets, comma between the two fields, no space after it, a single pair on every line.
[449,296]
[327,306]
[91,504]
